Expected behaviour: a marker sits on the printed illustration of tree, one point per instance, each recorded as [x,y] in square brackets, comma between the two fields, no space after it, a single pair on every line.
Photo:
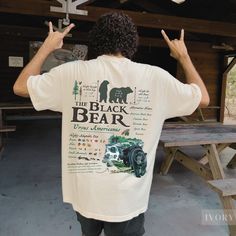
[76,89]
[125,132]
[80,93]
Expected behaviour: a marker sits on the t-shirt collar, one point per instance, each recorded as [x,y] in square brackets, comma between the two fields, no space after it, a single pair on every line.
[112,58]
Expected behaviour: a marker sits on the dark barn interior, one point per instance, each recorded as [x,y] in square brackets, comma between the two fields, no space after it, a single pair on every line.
[210,36]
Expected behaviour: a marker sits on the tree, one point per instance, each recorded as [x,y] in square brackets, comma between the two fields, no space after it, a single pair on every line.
[76,89]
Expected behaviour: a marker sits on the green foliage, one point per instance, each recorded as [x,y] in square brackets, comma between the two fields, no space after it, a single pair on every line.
[120,139]
[75,89]
[230,100]
[231,84]
[117,139]
[121,166]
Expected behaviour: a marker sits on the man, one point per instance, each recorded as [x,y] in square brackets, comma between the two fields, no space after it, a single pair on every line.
[113,110]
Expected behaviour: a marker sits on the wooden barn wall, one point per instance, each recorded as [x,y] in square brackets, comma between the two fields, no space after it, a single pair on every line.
[11,46]
[207,63]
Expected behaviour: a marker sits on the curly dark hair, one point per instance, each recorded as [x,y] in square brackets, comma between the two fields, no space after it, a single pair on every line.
[113,33]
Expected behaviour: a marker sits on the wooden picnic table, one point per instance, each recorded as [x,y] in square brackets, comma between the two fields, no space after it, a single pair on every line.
[214,137]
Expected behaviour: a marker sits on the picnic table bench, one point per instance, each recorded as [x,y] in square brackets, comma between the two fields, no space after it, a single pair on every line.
[214,137]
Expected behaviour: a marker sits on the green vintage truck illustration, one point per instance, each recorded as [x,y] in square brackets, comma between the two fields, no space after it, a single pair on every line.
[126,154]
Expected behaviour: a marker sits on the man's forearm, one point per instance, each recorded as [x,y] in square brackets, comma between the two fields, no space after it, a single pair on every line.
[179,51]
[52,42]
[192,76]
[33,68]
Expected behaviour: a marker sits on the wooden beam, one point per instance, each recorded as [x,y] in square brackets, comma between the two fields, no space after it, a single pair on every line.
[191,45]
[149,6]
[214,162]
[88,2]
[193,165]
[223,91]
[170,156]
[156,21]
[29,32]
[37,33]
[5,129]
[123,1]
[230,66]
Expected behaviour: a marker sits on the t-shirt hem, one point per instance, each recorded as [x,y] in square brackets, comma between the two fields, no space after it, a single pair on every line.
[108,218]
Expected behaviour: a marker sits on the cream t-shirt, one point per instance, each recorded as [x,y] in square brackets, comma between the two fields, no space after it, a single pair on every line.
[113,111]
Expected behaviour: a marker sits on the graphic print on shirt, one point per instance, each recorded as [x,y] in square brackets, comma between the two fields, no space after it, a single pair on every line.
[108,124]
[126,155]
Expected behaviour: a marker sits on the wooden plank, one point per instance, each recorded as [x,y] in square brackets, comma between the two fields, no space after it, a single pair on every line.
[15,106]
[170,155]
[4,129]
[193,165]
[27,32]
[197,139]
[225,187]
[157,21]
[191,45]
[230,66]
[174,135]
[223,92]
[200,128]
[211,74]
[203,125]
[214,162]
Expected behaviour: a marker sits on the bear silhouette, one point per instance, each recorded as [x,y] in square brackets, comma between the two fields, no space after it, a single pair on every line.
[103,91]
[119,95]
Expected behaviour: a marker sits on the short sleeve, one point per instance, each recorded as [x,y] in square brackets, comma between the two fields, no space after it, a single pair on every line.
[180,99]
[46,90]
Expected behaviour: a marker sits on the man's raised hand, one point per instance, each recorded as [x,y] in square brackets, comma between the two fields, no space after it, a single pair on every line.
[177,47]
[55,39]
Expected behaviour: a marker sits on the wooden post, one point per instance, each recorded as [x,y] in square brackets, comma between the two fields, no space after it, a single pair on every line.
[170,156]
[193,165]
[214,162]
[218,173]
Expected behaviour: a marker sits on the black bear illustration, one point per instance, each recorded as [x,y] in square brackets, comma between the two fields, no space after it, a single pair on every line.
[103,91]
[119,95]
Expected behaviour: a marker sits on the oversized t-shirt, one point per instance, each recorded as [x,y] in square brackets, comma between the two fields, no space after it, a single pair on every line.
[113,111]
